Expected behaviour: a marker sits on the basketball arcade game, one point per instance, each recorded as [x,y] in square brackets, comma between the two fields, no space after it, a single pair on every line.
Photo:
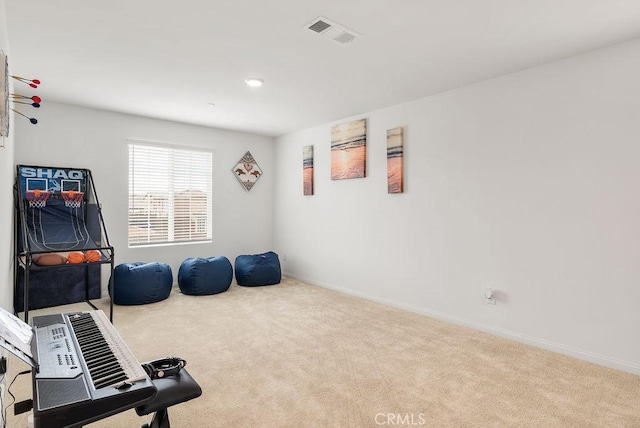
[58,215]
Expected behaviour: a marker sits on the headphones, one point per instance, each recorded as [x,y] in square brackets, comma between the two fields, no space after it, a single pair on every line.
[164,367]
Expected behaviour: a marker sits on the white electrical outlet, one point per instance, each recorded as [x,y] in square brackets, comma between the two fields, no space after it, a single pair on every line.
[488,294]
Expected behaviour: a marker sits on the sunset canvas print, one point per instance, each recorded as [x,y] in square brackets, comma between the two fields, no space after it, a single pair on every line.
[349,150]
[394,160]
[307,170]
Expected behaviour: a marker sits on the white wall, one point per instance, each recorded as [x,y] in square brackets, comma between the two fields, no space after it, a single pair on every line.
[6,209]
[78,137]
[6,189]
[527,183]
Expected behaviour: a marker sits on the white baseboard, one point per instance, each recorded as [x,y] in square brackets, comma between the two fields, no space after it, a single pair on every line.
[558,348]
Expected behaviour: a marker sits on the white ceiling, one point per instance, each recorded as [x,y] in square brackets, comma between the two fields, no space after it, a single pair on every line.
[168,59]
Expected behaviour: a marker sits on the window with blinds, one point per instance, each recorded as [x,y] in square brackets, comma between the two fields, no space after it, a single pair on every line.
[169,195]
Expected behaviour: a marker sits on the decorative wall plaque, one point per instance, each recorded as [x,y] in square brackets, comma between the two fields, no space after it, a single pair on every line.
[247,171]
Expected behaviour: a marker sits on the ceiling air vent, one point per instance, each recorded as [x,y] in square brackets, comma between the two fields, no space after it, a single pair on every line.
[332,31]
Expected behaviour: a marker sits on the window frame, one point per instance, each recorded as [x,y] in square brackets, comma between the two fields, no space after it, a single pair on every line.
[170,193]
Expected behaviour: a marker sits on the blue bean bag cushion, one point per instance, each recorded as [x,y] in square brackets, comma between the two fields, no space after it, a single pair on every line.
[141,283]
[258,269]
[200,277]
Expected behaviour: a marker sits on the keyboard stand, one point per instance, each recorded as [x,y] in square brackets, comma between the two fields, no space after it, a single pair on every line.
[172,390]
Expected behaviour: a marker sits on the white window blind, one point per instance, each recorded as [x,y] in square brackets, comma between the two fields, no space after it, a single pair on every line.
[169,195]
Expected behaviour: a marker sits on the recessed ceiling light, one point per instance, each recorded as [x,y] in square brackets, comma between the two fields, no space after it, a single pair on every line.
[253,81]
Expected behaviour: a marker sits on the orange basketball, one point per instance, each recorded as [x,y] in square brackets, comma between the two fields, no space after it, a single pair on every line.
[92,256]
[76,257]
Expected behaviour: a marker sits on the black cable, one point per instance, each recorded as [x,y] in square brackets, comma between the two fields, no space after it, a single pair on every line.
[4,411]
[4,420]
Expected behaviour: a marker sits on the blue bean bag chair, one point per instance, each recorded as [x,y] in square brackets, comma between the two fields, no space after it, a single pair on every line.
[141,283]
[199,277]
[258,269]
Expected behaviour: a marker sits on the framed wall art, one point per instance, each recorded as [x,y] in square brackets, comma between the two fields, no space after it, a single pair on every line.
[247,171]
[349,150]
[395,155]
[307,170]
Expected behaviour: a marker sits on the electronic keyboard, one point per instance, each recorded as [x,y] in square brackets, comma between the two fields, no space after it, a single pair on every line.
[84,371]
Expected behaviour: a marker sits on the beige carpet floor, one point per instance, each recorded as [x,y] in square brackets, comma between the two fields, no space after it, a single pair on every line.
[295,355]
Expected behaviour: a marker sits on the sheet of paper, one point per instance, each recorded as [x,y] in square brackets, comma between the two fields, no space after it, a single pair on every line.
[16,332]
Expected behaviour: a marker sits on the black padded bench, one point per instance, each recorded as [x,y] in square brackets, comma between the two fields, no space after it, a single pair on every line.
[172,390]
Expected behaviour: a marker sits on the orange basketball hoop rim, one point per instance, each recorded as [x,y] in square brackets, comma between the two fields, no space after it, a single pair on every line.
[37,198]
[72,198]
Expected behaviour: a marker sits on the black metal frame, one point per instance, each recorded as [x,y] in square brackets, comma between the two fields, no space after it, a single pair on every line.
[24,257]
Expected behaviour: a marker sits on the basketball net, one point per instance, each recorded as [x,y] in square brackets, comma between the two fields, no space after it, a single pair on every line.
[37,198]
[72,199]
